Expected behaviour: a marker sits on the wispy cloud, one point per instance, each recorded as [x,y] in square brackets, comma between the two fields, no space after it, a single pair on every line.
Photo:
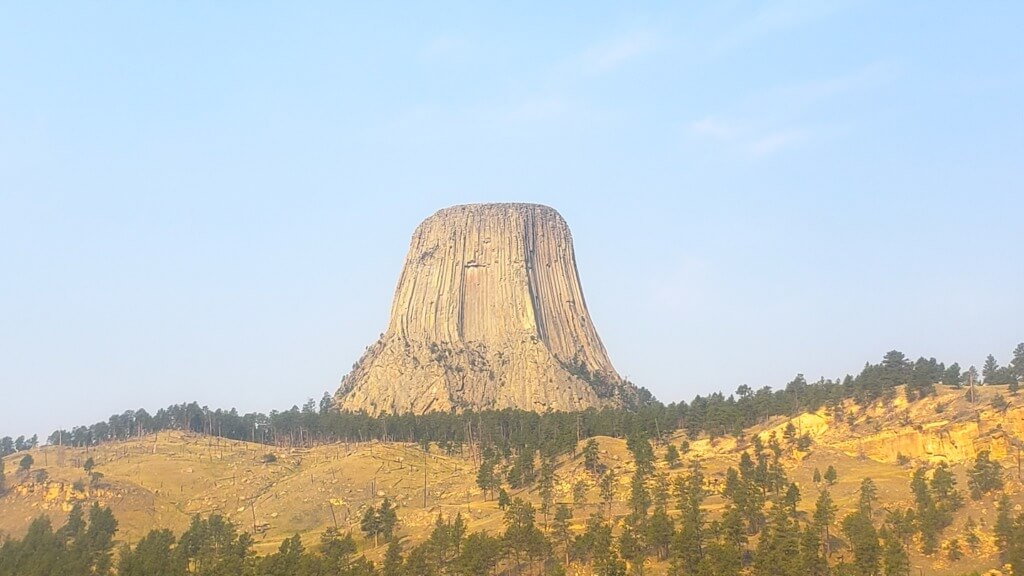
[611,55]
[714,128]
[778,118]
[866,77]
[750,140]
[779,140]
[776,18]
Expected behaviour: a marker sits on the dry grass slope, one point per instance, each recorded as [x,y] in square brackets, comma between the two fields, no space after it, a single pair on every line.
[162,480]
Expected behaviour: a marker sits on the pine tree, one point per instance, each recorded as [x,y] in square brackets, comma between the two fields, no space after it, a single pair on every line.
[561,528]
[687,547]
[868,495]
[824,516]
[579,494]
[1004,531]
[393,563]
[547,488]
[778,551]
[660,528]
[380,521]
[632,549]
[952,376]
[864,541]
[521,536]
[985,476]
[591,458]
[989,369]
[672,456]
[895,559]
[830,475]
[486,478]
[971,535]
[1017,364]
[480,554]
[388,519]
[607,487]
[812,561]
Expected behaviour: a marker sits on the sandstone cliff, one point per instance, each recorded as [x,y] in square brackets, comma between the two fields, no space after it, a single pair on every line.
[488,313]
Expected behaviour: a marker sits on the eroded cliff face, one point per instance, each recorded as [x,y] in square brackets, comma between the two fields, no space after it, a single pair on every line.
[488,313]
[942,428]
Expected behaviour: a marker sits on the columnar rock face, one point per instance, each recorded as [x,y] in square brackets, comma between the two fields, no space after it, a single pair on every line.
[489,313]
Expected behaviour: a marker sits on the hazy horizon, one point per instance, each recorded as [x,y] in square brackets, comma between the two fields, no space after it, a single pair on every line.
[200,203]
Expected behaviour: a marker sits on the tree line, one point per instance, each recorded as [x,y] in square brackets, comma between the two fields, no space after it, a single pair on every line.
[552,433]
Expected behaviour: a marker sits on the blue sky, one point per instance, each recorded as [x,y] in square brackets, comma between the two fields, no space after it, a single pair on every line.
[212,201]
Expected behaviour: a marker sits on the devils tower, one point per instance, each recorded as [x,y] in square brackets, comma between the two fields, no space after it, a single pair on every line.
[488,314]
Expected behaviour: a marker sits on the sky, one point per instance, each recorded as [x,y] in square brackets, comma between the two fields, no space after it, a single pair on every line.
[212,202]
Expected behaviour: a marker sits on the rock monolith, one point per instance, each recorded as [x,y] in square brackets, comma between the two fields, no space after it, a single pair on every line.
[488,314]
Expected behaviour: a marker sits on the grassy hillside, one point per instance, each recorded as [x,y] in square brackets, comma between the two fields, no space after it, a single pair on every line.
[161,480]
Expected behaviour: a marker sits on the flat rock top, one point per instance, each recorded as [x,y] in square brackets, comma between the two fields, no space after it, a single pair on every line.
[496,209]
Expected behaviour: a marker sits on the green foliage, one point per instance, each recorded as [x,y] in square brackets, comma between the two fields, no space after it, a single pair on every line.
[971,535]
[579,493]
[607,487]
[521,537]
[936,500]
[985,476]
[999,403]
[480,554]
[778,550]
[868,495]
[591,458]
[643,453]
[1015,546]
[831,476]
[523,472]
[561,529]
[1004,528]
[824,516]
[804,442]
[81,548]
[863,538]
[486,477]
[688,544]
[672,456]
[25,463]
[895,559]
[379,521]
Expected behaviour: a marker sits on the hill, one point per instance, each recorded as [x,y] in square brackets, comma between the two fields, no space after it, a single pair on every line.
[162,480]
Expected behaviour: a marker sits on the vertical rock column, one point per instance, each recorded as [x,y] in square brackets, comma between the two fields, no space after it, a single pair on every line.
[488,313]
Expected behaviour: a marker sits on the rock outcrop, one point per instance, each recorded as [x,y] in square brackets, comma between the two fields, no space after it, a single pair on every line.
[488,314]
